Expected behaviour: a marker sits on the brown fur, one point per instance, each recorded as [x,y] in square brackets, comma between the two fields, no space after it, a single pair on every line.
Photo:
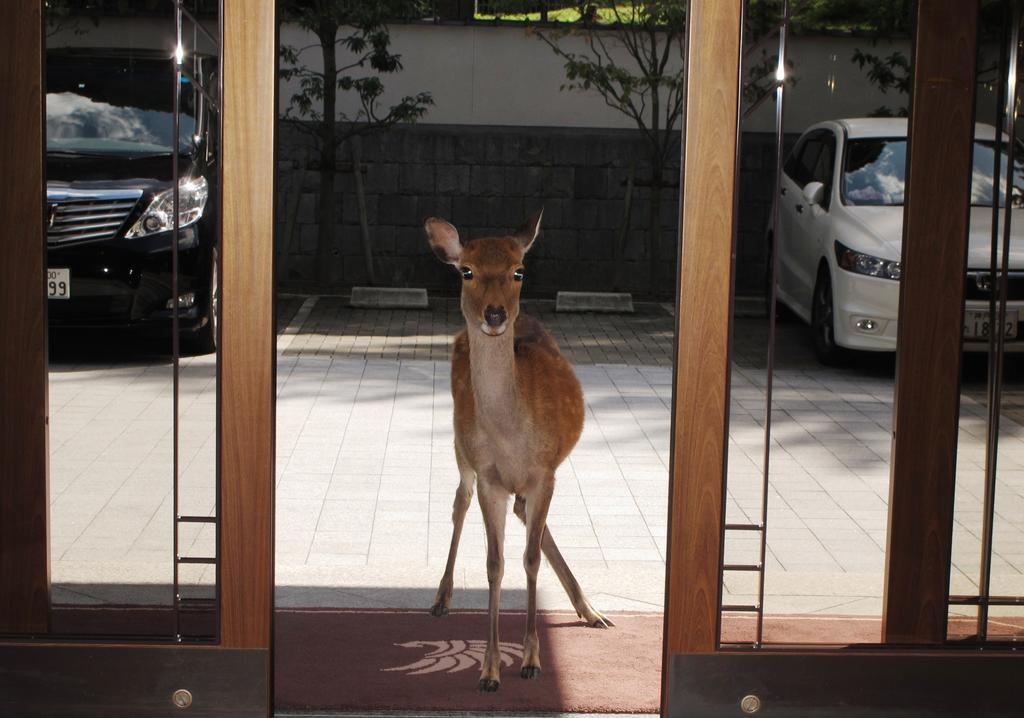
[518,413]
[552,396]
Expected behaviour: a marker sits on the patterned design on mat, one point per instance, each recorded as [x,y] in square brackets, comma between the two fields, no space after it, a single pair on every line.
[455,656]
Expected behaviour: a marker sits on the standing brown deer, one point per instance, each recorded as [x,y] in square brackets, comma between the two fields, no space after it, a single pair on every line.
[518,414]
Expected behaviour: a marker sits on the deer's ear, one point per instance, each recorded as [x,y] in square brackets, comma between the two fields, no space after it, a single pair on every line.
[444,240]
[529,231]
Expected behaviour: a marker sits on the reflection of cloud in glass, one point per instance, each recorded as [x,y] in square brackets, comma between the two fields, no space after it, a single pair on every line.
[72,116]
[880,165]
[981,186]
[984,175]
[878,182]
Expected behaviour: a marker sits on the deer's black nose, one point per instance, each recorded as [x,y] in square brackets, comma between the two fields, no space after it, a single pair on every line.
[495,316]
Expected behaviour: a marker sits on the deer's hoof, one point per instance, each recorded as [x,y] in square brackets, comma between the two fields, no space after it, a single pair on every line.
[438,610]
[530,672]
[488,685]
[601,622]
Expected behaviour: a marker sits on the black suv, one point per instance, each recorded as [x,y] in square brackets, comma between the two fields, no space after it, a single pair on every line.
[109,194]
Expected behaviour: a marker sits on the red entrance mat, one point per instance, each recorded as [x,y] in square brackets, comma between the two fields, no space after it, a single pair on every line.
[384,659]
[409,660]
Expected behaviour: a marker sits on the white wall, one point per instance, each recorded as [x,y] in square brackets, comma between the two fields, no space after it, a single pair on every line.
[488,75]
[481,75]
[142,33]
[828,85]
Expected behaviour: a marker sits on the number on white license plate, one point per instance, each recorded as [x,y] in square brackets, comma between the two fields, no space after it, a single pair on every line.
[58,283]
[976,325]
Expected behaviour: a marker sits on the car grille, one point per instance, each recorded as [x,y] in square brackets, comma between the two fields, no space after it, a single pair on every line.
[980,285]
[82,215]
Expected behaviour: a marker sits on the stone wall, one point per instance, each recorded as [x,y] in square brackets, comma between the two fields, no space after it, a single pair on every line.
[486,180]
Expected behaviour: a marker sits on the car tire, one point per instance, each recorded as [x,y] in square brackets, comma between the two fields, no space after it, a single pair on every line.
[204,340]
[823,321]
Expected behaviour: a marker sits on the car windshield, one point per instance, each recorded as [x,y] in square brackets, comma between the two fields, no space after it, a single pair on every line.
[113,106]
[874,173]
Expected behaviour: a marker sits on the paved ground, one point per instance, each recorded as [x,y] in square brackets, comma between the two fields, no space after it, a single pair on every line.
[366,473]
[334,329]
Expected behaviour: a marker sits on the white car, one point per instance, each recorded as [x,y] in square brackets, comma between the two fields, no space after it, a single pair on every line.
[841,230]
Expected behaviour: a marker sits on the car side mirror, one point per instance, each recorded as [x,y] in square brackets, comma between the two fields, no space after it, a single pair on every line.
[814,193]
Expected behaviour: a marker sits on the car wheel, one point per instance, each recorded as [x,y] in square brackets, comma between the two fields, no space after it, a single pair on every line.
[823,320]
[204,341]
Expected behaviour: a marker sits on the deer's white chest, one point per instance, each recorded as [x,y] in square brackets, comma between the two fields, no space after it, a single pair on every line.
[505,444]
[502,435]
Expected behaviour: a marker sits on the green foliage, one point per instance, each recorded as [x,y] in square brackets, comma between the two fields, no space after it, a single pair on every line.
[869,18]
[567,12]
[872,17]
[66,16]
[890,72]
[360,28]
[635,65]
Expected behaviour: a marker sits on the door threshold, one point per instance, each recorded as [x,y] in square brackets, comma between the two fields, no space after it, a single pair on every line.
[441,714]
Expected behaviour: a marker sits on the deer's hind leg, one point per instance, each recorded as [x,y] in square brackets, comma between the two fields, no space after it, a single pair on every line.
[584,609]
[463,498]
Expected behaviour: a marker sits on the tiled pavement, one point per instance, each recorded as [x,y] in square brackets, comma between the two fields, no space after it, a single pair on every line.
[335,329]
[366,473]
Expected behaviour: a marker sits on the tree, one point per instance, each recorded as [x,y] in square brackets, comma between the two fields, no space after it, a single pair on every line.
[633,60]
[313,109]
[871,17]
[891,72]
[64,16]
[894,71]
[868,18]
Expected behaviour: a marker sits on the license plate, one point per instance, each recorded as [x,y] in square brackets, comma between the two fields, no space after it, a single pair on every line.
[58,283]
[976,325]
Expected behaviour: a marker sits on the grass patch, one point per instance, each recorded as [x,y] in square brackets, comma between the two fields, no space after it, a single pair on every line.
[603,16]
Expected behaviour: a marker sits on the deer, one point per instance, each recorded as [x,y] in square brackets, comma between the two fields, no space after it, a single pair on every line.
[518,412]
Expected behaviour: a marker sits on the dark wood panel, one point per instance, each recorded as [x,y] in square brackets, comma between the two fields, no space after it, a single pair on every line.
[129,681]
[24,547]
[247,345]
[931,316]
[702,368]
[138,622]
[847,685]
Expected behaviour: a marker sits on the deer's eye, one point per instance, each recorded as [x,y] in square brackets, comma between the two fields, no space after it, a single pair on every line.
[467,273]
[518,275]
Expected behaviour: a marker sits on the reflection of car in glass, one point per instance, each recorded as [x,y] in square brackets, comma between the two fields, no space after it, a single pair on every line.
[109,194]
[840,235]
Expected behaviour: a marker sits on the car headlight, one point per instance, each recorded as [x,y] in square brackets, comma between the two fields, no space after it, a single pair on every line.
[159,216]
[866,264]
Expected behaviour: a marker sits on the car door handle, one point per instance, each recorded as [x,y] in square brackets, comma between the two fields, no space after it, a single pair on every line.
[783,191]
[799,208]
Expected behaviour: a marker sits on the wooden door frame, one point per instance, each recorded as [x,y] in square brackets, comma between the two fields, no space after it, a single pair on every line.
[92,678]
[247,373]
[24,453]
[700,678]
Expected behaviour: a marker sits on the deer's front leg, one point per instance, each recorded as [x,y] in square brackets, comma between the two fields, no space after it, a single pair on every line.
[493,503]
[463,497]
[537,504]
